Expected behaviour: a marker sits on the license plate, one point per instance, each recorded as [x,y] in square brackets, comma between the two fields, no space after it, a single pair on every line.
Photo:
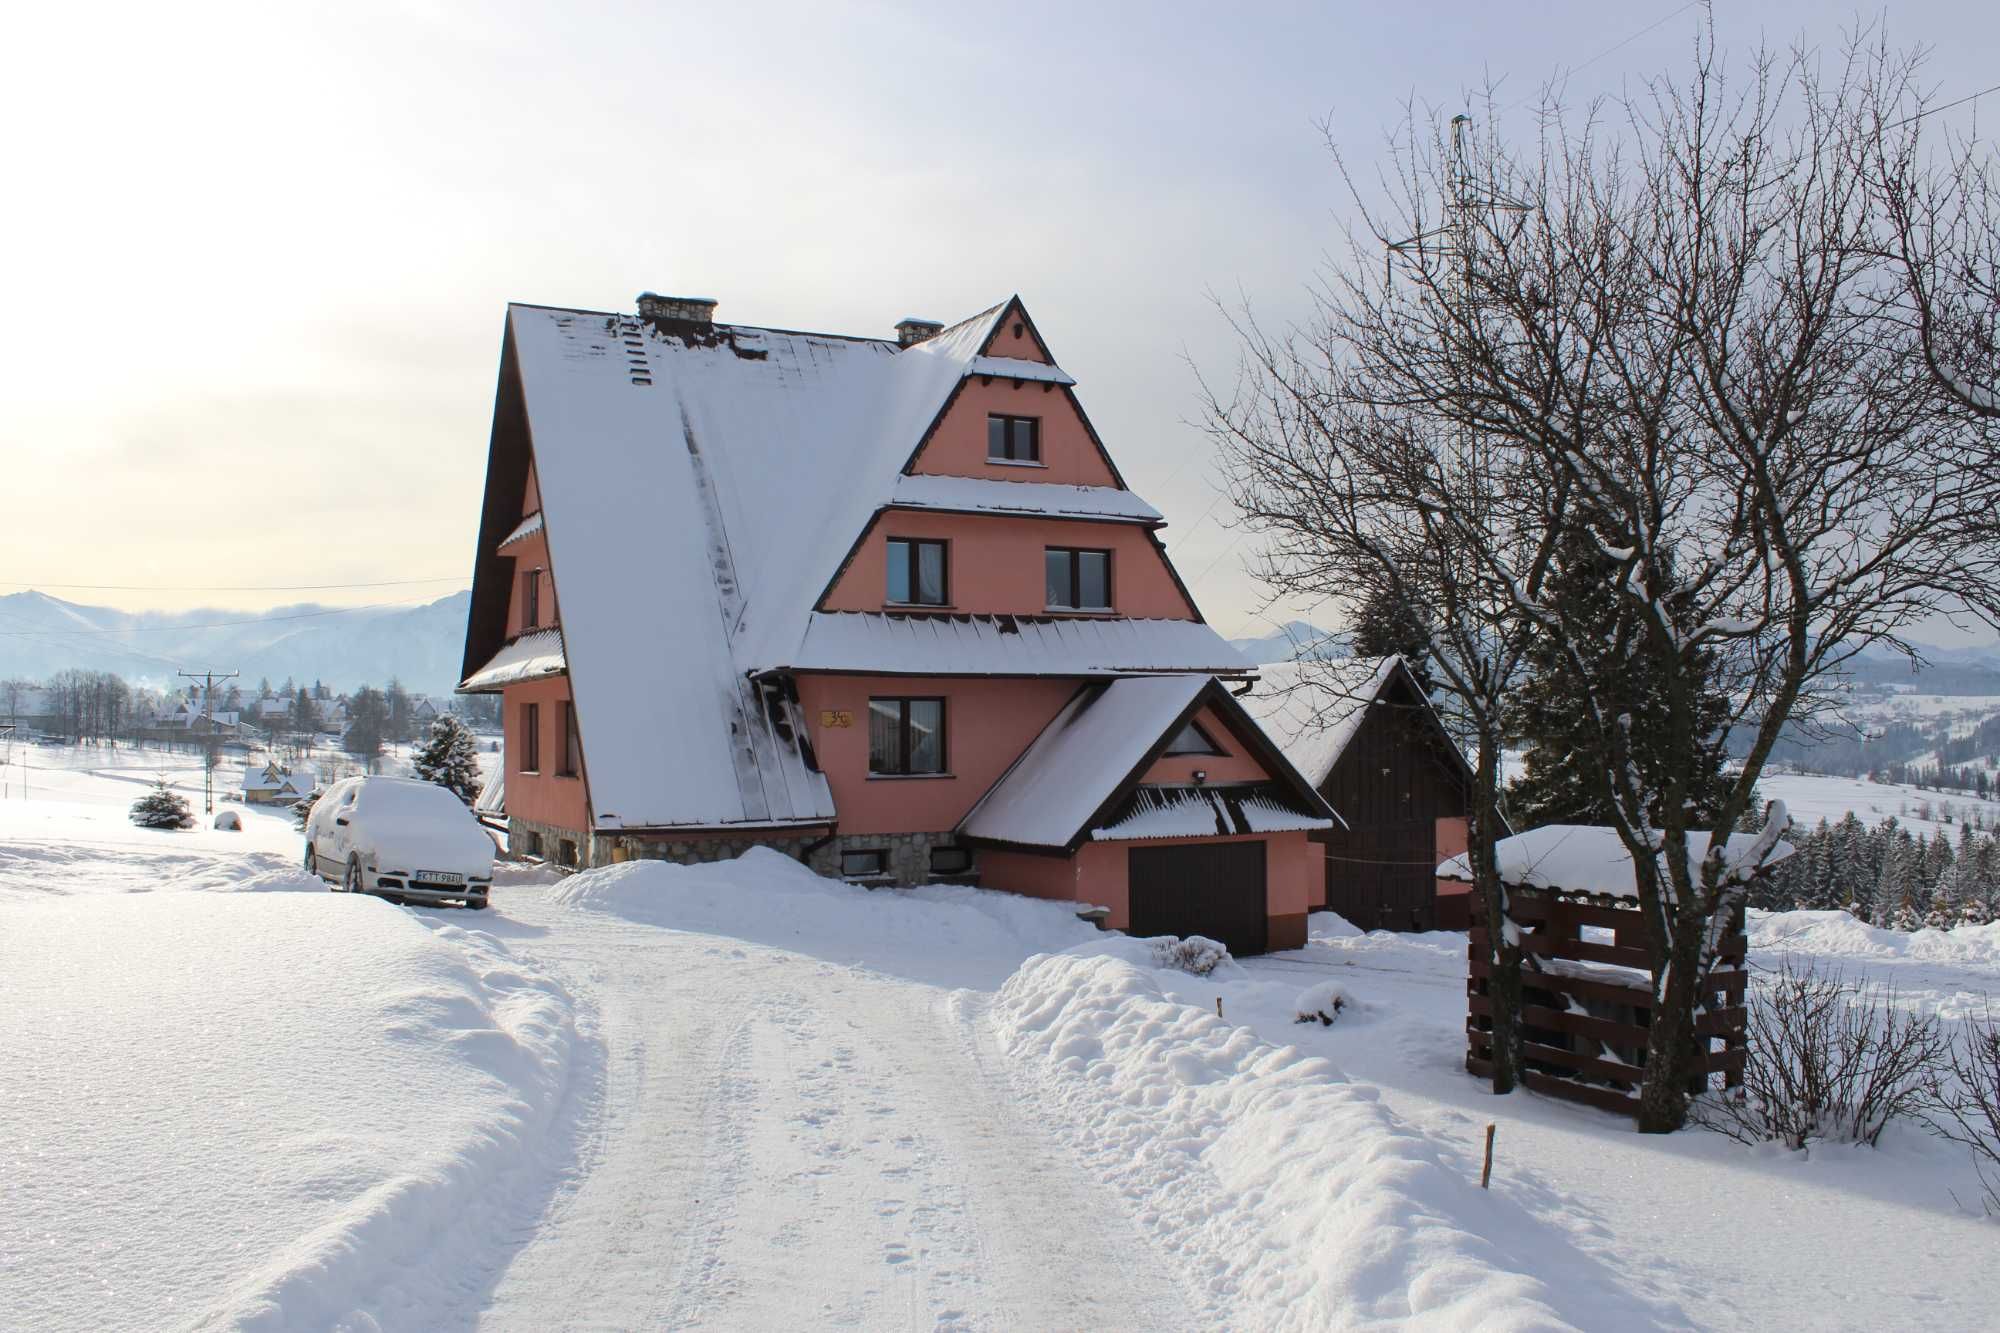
[438,877]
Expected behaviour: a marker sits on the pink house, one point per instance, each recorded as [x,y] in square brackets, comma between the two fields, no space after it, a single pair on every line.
[883,604]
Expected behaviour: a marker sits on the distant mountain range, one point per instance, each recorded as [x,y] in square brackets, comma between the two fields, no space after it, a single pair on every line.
[1294,640]
[341,646]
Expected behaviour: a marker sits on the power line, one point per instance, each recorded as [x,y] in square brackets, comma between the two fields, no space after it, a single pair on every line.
[1615,47]
[228,587]
[1933,110]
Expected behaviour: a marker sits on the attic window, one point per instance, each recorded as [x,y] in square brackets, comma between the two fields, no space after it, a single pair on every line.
[1192,739]
[917,573]
[1013,439]
[1077,580]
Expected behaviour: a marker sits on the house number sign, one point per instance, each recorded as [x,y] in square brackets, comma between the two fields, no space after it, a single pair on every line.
[836,717]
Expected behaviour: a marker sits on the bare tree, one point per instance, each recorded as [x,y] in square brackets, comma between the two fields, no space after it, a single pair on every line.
[1692,350]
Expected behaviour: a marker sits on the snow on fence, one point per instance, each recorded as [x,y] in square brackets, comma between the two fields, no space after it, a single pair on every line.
[1587,1000]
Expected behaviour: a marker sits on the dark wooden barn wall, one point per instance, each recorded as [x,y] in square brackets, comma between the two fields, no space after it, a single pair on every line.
[1392,785]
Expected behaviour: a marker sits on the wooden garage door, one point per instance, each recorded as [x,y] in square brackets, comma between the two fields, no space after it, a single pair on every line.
[1384,878]
[1212,889]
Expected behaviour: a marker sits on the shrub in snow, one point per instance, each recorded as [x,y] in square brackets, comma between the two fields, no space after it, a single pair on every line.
[229,821]
[1197,954]
[302,811]
[1965,1093]
[162,807]
[1322,1003]
[450,758]
[1830,1060]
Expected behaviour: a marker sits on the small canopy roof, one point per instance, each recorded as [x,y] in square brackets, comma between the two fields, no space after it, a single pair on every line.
[1586,858]
[528,657]
[1080,775]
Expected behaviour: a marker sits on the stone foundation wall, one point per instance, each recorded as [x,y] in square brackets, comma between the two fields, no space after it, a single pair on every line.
[907,856]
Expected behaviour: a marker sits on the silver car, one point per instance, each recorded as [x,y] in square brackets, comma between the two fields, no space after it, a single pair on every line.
[399,838]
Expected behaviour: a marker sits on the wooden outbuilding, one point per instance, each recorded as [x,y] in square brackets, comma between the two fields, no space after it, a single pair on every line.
[1365,735]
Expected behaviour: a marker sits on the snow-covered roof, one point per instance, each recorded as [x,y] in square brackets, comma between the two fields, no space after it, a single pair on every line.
[1312,709]
[1069,772]
[1014,368]
[1063,786]
[700,485]
[1586,858]
[530,525]
[1194,812]
[531,655]
[982,495]
[969,645]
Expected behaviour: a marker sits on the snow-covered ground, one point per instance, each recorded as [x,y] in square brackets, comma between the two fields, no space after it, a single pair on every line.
[742,1097]
[1811,798]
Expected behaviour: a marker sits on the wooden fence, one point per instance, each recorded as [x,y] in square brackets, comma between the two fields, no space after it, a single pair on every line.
[1587,1000]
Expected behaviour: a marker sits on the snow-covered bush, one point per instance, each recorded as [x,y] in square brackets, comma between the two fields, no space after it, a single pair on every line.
[1322,1003]
[1828,1059]
[162,807]
[1197,954]
[229,821]
[302,811]
[1965,1094]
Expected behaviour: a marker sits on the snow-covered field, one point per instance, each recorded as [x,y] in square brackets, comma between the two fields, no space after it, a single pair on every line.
[739,1096]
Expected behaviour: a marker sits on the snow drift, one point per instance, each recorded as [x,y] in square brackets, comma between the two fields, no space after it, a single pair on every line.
[945,934]
[1293,1197]
[264,1110]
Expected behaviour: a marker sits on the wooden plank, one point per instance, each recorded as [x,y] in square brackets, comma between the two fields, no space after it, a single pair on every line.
[1616,1071]
[1602,1099]
[1560,1020]
[1638,997]
[1549,946]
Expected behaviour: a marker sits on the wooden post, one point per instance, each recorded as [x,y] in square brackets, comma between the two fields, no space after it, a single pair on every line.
[1218,1006]
[1486,1172]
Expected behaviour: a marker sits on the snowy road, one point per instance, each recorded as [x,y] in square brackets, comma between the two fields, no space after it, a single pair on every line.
[785,1142]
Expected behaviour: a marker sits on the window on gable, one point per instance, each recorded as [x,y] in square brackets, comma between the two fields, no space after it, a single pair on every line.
[917,575]
[531,738]
[531,598]
[1077,580]
[572,743]
[1192,739]
[1013,439]
[905,737]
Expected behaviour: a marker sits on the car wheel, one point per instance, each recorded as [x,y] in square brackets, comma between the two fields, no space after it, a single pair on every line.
[353,882]
[312,863]
[477,904]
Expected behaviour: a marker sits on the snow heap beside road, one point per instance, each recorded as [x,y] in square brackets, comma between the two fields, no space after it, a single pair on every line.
[264,1110]
[940,933]
[1291,1194]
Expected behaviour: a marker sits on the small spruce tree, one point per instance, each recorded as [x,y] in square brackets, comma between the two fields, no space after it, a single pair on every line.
[450,758]
[162,807]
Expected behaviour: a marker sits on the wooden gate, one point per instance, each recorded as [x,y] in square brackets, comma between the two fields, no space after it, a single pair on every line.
[1587,1000]
[1205,888]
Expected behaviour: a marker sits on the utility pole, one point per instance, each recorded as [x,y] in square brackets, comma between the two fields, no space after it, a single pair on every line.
[210,748]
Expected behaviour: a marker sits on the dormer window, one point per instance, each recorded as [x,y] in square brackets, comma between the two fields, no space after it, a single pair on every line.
[1013,439]
[1077,580]
[917,573]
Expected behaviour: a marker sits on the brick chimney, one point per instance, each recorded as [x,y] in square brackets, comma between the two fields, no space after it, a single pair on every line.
[676,309]
[913,330]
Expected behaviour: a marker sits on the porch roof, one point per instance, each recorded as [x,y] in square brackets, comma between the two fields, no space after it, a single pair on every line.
[969,645]
[527,658]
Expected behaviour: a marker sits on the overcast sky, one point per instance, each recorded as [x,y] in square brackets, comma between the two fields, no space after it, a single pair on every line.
[255,260]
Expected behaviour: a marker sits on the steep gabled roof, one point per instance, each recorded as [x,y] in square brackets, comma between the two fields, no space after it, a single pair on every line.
[700,485]
[1314,709]
[1079,775]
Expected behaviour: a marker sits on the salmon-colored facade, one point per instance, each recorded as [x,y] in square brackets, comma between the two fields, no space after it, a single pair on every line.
[987,725]
[906,756]
[994,565]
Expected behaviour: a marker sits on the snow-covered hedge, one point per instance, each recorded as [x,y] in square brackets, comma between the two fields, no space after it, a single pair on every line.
[1196,954]
[1322,1003]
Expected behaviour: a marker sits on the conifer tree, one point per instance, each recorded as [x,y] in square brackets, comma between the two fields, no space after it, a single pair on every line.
[450,758]
[1386,624]
[367,725]
[1553,723]
[162,808]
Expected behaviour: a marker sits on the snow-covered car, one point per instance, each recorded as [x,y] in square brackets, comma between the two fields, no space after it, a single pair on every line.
[399,838]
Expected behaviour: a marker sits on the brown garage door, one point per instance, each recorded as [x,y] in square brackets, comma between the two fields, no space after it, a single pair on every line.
[1212,889]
